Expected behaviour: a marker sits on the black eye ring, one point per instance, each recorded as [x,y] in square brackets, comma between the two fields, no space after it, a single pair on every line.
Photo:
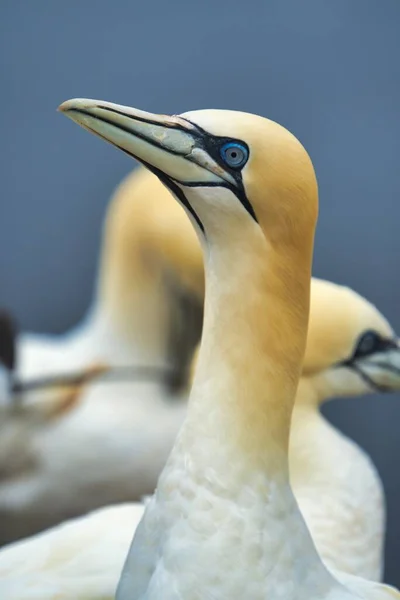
[369,343]
[234,154]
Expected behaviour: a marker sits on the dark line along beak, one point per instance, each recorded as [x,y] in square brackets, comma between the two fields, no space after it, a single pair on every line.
[170,145]
[381,370]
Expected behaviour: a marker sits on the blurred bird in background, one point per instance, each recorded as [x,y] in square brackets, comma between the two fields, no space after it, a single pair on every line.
[147,311]
[146,307]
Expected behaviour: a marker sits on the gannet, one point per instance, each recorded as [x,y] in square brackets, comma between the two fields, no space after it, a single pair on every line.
[223,521]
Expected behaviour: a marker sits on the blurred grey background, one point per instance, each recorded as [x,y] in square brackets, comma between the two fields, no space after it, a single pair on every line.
[327,70]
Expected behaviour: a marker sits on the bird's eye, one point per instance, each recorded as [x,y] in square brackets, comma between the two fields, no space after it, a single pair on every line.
[235,155]
[369,343]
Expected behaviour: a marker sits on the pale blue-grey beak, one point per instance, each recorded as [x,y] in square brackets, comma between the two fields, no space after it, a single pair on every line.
[171,145]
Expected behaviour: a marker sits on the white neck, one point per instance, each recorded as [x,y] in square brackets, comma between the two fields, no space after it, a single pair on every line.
[103,336]
[134,309]
[224,500]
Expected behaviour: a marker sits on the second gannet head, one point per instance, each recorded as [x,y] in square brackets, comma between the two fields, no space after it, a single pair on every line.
[351,347]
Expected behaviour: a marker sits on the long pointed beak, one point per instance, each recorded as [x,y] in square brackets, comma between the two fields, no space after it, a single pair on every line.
[383,368]
[168,145]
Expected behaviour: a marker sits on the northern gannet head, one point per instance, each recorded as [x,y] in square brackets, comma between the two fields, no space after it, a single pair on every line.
[351,348]
[250,190]
[221,165]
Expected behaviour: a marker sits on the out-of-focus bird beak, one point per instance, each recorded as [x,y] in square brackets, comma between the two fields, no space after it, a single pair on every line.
[383,368]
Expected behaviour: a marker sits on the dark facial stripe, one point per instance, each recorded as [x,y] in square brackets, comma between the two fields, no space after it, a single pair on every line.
[239,193]
[177,191]
[375,386]
[171,185]
[145,120]
[204,140]
[195,126]
[211,144]
[387,367]
[351,363]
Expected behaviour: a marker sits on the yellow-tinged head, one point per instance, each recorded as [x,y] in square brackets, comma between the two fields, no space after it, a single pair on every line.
[351,348]
[250,190]
[266,170]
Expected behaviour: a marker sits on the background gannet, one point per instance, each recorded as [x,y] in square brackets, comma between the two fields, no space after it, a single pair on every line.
[351,350]
[145,307]
[147,311]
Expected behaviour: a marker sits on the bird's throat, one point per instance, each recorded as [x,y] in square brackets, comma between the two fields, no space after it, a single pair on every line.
[255,326]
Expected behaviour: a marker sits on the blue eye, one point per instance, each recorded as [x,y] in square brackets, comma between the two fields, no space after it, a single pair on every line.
[234,154]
